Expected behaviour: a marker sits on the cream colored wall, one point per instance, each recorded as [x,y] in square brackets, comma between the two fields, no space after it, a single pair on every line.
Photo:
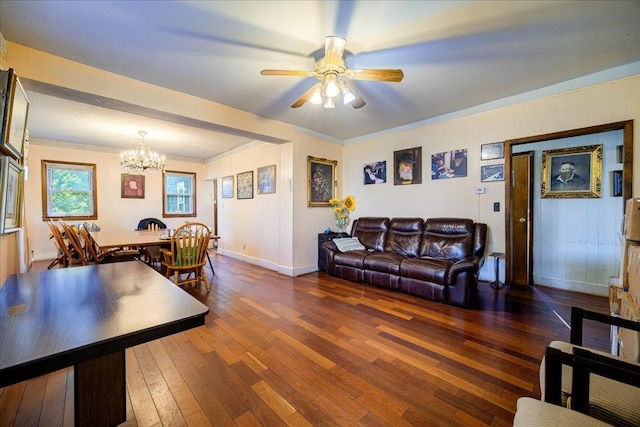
[603,103]
[114,213]
[276,231]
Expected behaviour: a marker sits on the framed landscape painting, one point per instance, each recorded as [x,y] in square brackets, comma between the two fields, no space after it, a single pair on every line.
[267,179]
[227,187]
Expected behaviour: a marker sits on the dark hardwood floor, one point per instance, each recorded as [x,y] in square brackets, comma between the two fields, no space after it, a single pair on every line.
[315,350]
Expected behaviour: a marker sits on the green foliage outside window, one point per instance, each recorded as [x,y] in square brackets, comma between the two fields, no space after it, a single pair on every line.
[69,189]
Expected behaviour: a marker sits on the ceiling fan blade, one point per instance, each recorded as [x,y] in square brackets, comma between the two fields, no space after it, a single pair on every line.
[304,98]
[333,49]
[358,102]
[288,73]
[379,75]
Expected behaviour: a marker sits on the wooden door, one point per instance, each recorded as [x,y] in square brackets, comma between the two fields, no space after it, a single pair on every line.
[521,223]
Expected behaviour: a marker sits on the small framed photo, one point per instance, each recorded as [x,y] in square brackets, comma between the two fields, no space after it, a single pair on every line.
[321,181]
[574,172]
[267,179]
[131,186]
[408,166]
[227,187]
[375,173]
[617,183]
[244,182]
[495,150]
[491,173]
[449,164]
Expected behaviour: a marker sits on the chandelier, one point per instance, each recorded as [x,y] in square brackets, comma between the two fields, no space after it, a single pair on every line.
[141,158]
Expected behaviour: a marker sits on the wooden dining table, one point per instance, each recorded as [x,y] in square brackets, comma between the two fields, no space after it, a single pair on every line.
[86,317]
[129,238]
[137,238]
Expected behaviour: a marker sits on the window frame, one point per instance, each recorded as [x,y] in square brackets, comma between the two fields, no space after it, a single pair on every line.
[193,194]
[46,165]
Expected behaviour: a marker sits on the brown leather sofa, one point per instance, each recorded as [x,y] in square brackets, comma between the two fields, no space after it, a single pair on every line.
[437,258]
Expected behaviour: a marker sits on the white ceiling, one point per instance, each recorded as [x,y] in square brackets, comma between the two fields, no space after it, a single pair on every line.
[454,54]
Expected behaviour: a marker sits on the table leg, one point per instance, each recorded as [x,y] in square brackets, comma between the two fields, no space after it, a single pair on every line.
[496,270]
[100,391]
[210,265]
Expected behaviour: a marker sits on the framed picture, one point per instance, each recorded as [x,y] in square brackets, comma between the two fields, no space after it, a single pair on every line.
[449,164]
[244,182]
[617,183]
[267,179]
[11,185]
[574,172]
[495,150]
[375,173]
[13,115]
[227,187]
[321,181]
[131,186]
[408,166]
[491,173]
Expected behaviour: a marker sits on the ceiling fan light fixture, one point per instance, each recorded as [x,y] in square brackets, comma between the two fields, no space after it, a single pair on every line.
[331,88]
[329,103]
[347,96]
[316,97]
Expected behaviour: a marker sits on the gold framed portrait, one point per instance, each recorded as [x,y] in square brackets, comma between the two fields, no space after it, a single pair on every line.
[574,172]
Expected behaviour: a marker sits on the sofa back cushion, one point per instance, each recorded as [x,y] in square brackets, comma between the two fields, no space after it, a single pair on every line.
[371,232]
[404,235]
[449,238]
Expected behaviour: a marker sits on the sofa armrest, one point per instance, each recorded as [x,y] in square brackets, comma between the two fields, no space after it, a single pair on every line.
[469,264]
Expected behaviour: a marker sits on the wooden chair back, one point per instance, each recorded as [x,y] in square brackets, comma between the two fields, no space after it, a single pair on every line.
[69,255]
[71,233]
[187,253]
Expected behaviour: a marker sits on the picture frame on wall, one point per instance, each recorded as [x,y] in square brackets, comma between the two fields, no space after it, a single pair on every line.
[494,150]
[11,187]
[449,164]
[131,186]
[375,173]
[616,179]
[574,172]
[267,179]
[492,173]
[407,166]
[321,181]
[14,112]
[227,187]
[244,184]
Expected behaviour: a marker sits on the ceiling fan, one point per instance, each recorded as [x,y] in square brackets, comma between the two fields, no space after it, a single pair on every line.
[332,71]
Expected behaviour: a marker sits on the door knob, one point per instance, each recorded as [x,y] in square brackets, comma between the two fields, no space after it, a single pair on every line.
[522,220]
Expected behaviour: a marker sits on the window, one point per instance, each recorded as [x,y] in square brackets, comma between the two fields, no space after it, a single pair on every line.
[179,194]
[69,190]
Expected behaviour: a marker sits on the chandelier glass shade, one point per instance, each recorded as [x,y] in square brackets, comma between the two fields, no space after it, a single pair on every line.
[325,92]
[141,158]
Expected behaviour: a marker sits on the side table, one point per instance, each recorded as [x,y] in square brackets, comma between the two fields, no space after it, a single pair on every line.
[496,268]
[324,237]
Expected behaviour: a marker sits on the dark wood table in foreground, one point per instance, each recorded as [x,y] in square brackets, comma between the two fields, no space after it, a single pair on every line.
[87,317]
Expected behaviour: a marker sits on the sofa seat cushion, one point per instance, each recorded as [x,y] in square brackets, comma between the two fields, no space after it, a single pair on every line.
[427,269]
[609,400]
[385,262]
[353,259]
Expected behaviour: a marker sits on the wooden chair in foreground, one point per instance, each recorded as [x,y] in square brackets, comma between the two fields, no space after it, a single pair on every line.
[187,254]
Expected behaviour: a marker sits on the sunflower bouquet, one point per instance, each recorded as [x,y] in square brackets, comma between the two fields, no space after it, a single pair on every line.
[342,209]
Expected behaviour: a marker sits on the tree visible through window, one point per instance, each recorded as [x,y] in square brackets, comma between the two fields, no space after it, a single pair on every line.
[69,190]
[179,194]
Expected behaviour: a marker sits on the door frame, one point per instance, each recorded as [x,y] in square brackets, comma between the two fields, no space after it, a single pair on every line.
[627,167]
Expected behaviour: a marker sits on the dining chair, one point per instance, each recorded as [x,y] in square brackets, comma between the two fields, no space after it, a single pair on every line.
[73,237]
[187,254]
[103,257]
[70,255]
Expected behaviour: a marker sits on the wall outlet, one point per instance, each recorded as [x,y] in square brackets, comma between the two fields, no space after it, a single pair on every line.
[479,190]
